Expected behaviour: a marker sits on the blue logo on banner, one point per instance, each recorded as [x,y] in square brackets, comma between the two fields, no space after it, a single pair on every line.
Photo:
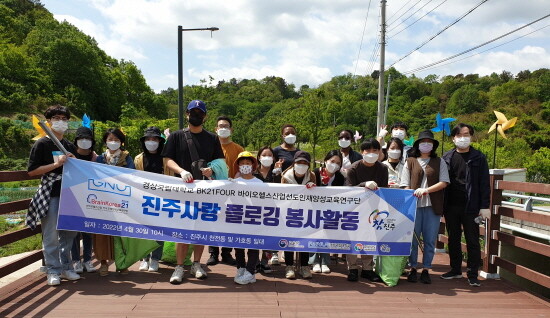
[376,218]
[283,243]
[114,188]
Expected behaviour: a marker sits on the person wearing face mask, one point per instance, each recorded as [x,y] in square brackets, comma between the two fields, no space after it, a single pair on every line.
[328,175]
[114,155]
[84,142]
[182,151]
[47,160]
[246,164]
[398,130]
[426,174]
[349,156]
[224,129]
[394,162]
[286,151]
[152,143]
[264,172]
[299,173]
[466,198]
[370,174]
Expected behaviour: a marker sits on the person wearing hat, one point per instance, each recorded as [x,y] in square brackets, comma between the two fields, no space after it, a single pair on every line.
[84,142]
[299,173]
[426,174]
[178,160]
[246,164]
[370,174]
[150,160]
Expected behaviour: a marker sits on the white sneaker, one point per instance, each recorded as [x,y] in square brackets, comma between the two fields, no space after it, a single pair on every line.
[325,269]
[144,266]
[177,276]
[290,272]
[53,279]
[77,266]
[153,265]
[245,278]
[69,275]
[197,271]
[317,268]
[240,271]
[305,272]
[275,259]
[89,267]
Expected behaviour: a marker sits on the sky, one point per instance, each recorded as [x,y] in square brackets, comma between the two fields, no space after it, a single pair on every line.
[310,41]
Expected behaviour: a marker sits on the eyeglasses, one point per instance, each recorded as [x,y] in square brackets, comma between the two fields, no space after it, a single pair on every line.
[62,118]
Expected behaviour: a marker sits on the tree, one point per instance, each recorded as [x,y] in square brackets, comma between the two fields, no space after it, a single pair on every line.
[466,100]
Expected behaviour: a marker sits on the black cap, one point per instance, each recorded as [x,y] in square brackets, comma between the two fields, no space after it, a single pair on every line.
[302,155]
[426,134]
[84,133]
[152,132]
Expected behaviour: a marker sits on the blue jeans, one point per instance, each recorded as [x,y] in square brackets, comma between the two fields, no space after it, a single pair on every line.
[157,253]
[426,226]
[56,244]
[319,258]
[86,244]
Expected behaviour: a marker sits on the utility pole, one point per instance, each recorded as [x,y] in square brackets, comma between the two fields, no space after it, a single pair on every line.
[380,120]
[387,99]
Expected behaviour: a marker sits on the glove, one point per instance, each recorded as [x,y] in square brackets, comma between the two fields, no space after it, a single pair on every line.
[186,176]
[383,132]
[485,213]
[310,185]
[371,185]
[420,192]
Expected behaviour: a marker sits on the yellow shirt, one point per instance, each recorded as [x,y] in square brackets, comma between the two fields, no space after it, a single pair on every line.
[230,152]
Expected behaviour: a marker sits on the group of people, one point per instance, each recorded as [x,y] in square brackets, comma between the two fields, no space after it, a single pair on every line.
[455,186]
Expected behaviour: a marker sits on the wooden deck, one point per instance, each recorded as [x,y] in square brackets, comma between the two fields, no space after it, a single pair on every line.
[143,294]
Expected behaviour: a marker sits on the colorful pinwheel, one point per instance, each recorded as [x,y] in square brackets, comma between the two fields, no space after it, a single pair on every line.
[502,124]
[41,132]
[409,142]
[443,124]
[86,121]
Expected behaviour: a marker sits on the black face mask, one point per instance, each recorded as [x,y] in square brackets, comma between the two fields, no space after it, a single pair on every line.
[196,119]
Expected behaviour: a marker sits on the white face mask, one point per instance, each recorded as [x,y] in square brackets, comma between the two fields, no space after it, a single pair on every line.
[462,142]
[84,143]
[60,126]
[300,169]
[425,147]
[151,145]
[344,143]
[113,145]
[290,139]
[394,154]
[266,161]
[332,167]
[397,133]
[224,132]
[245,169]
[370,157]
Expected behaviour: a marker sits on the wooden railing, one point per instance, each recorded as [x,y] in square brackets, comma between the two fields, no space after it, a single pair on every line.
[5,239]
[494,235]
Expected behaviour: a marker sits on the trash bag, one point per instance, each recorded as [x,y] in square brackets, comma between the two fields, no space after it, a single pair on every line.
[130,250]
[390,268]
[169,254]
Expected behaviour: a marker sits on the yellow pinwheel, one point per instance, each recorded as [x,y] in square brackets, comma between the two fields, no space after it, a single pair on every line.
[41,132]
[502,123]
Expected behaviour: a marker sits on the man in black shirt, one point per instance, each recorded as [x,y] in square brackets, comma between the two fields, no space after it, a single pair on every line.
[466,198]
[178,158]
[47,160]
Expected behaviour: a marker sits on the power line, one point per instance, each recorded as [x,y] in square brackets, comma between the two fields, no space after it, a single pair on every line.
[399,10]
[408,26]
[478,46]
[438,33]
[399,17]
[362,36]
[412,14]
[372,58]
[472,55]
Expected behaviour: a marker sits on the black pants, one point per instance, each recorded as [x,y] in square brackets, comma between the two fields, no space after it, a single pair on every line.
[289,258]
[456,219]
[253,258]
[216,250]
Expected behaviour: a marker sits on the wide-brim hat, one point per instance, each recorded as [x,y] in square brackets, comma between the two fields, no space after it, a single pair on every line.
[426,134]
[247,155]
[152,132]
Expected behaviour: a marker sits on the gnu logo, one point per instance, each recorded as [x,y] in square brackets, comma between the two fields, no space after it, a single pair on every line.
[114,188]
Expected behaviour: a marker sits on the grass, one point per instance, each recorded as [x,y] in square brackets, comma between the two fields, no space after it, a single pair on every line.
[25,245]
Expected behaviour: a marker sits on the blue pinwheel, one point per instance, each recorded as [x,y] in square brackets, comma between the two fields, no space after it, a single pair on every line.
[443,124]
[86,121]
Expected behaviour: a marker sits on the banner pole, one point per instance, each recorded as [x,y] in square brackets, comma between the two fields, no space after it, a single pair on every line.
[52,136]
